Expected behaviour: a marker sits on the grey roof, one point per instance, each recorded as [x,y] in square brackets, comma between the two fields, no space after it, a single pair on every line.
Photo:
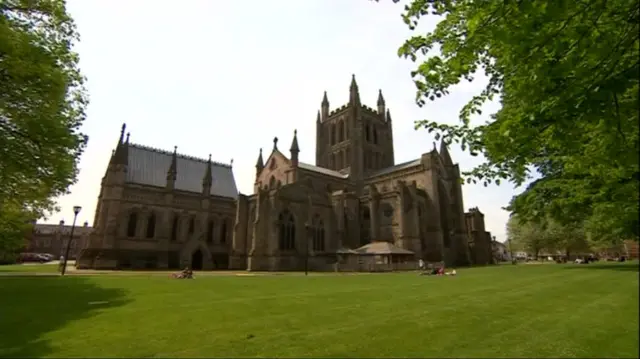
[397,167]
[344,250]
[382,247]
[322,170]
[149,166]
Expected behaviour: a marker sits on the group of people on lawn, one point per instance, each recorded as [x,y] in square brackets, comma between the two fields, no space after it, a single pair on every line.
[425,269]
[431,269]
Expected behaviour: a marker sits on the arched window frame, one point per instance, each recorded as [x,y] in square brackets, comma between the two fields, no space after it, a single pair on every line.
[151,225]
[174,227]
[318,234]
[224,230]
[132,224]
[333,134]
[210,230]
[286,231]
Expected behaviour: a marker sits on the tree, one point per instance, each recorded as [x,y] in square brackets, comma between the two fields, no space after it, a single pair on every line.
[547,234]
[42,106]
[567,73]
[569,238]
[527,236]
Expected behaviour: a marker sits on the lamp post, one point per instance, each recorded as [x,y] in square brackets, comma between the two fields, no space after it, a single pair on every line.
[307,228]
[76,210]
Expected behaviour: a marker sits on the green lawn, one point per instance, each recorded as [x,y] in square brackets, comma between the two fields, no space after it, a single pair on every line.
[29,268]
[504,311]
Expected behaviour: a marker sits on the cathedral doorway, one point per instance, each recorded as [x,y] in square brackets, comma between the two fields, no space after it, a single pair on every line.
[196,260]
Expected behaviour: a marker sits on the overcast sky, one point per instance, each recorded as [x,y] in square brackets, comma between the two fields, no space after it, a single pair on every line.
[225,77]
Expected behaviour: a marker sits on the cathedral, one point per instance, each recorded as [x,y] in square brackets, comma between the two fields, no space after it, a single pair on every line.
[160,209]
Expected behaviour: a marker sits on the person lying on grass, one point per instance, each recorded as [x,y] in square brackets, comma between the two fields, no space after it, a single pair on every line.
[439,271]
[185,274]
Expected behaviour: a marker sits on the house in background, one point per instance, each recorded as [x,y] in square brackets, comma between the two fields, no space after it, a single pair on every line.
[500,251]
[52,239]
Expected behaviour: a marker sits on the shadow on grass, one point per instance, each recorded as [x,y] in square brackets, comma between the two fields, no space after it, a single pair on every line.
[31,307]
[612,266]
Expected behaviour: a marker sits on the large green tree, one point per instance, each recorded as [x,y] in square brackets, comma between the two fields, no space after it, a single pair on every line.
[42,106]
[547,234]
[526,236]
[567,75]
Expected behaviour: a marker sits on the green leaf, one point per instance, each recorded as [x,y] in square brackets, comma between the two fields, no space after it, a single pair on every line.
[567,76]
[42,107]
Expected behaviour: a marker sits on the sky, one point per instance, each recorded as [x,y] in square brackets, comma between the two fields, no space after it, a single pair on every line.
[226,77]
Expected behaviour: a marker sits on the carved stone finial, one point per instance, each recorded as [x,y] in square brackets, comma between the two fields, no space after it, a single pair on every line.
[275,143]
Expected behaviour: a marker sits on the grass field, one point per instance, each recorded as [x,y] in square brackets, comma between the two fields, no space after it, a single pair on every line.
[29,268]
[503,311]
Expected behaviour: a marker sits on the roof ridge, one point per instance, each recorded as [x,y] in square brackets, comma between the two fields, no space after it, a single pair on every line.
[180,155]
[334,172]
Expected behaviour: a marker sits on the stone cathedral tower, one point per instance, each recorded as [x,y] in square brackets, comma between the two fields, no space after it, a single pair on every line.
[354,139]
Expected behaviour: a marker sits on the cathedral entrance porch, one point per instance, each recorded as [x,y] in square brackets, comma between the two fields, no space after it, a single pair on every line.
[196,260]
[196,255]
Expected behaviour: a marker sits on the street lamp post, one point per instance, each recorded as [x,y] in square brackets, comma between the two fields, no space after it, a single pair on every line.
[76,210]
[308,237]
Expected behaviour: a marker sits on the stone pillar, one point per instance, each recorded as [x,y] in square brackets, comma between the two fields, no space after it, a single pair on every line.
[340,224]
[374,205]
[258,237]
[238,255]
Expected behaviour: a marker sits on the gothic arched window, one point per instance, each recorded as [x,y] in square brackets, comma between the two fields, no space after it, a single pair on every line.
[287,229]
[151,226]
[333,134]
[272,183]
[366,133]
[210,227]
[224,230]
[174,228]
[375,136]
[192,225]
[132,224]
[318,234]
[340,131]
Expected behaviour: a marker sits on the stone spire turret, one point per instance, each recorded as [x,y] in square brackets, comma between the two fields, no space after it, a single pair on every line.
[325,107]
[295,149]
[381,104]
[259,164]
[172,173]
[444,153]
[354,93]
[207,181]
